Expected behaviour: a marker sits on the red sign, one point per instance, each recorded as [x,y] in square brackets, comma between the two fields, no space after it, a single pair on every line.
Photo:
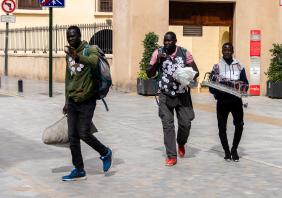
[8,6]
[254,90]
[255,48]
[44,2]
[255,44]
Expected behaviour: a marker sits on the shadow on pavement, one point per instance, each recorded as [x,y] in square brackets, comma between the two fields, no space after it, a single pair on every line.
[191,152]
[93,166]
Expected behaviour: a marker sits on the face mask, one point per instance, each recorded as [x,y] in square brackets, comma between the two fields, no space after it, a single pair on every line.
[170,48]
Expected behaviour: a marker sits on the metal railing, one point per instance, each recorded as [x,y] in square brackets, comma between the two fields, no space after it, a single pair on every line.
[36,39]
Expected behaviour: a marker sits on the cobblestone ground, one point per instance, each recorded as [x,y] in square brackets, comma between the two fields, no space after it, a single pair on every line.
[30,169]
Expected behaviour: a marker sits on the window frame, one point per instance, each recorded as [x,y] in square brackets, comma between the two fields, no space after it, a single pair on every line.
[23,5]
[107,8]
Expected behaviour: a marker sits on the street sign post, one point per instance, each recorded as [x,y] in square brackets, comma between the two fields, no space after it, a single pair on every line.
[51,4]
[7,6]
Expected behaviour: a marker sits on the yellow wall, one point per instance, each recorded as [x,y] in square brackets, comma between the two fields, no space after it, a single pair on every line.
[264,15]
[74,12]
[184,41]
[132,20]
[205,49]
[36,66]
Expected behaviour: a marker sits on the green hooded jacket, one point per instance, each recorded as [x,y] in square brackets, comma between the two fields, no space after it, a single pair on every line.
[79,81]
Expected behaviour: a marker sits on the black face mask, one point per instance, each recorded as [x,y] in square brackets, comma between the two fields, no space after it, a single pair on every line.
[169,48]
[228,60]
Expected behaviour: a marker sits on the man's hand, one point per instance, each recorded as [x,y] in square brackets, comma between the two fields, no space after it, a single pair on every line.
[70,51]
[65,109]
[195,68]
[160,56]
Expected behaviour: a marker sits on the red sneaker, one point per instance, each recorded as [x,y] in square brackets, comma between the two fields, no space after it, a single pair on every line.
[181,151]
[171,161]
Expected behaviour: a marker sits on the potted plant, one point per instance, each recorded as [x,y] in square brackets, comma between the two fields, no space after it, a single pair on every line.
[274,73]
[146,86]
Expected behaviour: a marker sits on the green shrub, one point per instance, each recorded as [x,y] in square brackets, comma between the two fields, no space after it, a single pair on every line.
[274,72]
[150,43]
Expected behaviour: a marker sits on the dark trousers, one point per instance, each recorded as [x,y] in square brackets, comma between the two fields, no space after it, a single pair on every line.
[185,114]
[79,120]
[223,109]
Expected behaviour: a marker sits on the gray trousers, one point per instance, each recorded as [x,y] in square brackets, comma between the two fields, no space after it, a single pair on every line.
[182,105]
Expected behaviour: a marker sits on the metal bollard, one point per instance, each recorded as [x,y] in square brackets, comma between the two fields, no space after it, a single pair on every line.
[20,87]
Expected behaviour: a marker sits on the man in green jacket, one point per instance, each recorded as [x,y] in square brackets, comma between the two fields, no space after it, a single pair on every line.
[81,102]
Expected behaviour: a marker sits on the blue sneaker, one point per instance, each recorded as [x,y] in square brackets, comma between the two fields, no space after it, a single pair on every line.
[107,160]
[75,175]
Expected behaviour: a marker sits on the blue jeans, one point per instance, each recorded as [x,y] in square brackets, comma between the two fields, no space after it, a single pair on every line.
[79,120]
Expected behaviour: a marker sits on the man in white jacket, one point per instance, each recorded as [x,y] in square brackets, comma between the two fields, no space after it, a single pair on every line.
[229,72]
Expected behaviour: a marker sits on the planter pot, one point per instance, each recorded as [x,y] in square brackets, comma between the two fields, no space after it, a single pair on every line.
[146,87]
[274,89]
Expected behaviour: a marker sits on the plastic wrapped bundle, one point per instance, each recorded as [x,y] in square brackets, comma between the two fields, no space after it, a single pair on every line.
[57,133]
[185,76]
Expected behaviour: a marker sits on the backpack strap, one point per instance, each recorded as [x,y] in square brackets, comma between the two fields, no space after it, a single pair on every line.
[85,50]
[183,52]
[159,69]
[105,104]
[85,53]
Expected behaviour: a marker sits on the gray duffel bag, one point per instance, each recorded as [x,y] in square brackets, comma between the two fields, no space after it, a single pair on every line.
[57,133]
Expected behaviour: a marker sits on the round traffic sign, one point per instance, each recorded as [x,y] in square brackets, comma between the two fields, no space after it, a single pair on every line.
[8,6]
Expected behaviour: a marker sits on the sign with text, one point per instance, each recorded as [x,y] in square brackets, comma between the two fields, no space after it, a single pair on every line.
[255,44]
[255,53]
[52,3]
[255,70]
[8,18]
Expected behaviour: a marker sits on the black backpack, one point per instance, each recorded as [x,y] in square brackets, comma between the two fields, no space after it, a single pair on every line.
[102,75]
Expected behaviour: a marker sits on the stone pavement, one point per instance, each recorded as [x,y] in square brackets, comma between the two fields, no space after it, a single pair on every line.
[30,169]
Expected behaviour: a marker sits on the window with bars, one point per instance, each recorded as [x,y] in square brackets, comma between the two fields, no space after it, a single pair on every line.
[105,5]
[29,4]
[190,30]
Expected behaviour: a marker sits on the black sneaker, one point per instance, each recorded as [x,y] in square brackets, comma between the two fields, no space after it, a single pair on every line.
[235,156]
[227,157]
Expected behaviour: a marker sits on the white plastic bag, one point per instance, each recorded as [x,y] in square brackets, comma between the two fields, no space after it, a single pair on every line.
[185,76]
[57,133]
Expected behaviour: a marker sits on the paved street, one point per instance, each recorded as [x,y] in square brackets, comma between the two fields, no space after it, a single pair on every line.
[132,128]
